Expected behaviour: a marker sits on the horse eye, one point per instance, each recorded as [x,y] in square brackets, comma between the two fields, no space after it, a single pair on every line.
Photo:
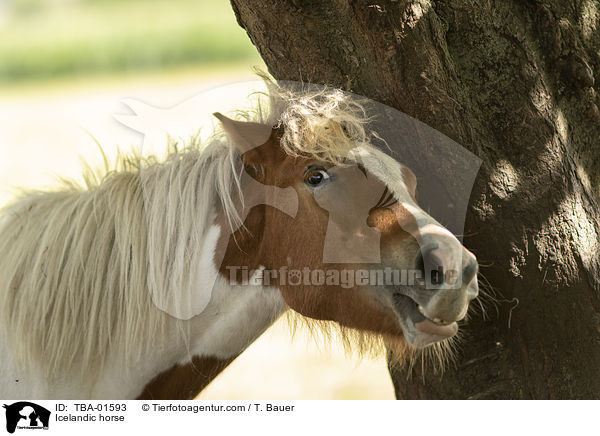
[316,177]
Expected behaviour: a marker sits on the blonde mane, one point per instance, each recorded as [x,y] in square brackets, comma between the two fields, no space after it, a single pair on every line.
[79,263]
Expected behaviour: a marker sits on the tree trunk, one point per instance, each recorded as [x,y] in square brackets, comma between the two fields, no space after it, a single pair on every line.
[513,82]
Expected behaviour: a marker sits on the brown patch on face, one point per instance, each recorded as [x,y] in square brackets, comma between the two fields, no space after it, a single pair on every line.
[391,220]
[276,240]
[184,382]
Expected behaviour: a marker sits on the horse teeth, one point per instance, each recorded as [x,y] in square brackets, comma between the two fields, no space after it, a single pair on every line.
[438,321]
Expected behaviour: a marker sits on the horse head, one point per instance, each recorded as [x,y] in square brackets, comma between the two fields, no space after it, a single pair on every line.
[369,257]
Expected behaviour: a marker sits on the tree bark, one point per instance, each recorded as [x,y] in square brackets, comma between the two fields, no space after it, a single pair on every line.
[513,82]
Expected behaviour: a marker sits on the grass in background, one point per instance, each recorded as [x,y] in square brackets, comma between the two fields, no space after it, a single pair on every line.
[42,39]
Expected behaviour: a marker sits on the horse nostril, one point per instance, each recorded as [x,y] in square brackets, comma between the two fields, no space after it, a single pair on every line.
[430,265]
[470,271]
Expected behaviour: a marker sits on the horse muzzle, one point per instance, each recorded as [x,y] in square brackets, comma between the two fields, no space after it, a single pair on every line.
[429,310]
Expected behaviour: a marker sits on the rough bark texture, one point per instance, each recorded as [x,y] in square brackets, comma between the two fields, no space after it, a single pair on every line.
[512,81]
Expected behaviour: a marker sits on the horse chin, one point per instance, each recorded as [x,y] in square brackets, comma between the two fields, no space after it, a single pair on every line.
[418,330]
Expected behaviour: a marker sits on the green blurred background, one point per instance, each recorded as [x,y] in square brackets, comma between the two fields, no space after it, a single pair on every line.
[48,39]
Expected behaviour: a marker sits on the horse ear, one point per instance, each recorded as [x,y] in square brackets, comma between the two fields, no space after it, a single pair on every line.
[245,135]
[410,180]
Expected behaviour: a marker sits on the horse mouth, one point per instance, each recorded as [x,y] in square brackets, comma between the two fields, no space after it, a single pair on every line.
[419,330]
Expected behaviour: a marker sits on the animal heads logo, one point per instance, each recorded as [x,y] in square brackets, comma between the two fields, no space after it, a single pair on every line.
[26,415]
[402,138]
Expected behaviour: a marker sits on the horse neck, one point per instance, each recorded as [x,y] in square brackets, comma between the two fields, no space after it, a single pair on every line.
[235,318]
[175,368]
[236,315]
